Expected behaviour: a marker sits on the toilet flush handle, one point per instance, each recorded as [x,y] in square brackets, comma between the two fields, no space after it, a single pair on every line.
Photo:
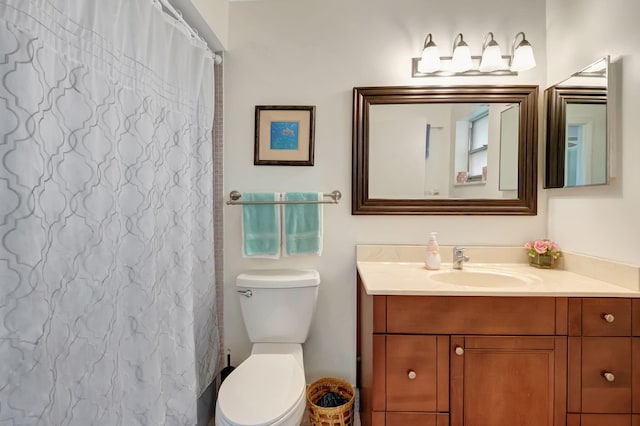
[245,293]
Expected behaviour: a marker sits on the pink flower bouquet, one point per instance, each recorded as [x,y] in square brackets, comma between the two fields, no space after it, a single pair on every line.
[542,247]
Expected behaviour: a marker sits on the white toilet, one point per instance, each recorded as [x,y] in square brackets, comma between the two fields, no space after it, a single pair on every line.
[268,388]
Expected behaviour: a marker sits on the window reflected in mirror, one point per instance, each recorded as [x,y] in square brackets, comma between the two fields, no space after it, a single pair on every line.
[477,145]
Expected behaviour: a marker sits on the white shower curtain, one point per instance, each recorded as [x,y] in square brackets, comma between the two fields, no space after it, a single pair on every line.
[107,291]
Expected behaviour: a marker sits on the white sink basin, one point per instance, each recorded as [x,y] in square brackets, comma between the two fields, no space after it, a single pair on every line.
[480,278]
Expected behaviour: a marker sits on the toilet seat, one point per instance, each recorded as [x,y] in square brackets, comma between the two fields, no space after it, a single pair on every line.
[262,390]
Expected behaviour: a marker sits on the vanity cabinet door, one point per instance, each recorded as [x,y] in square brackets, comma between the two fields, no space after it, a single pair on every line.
[417,373]
[506,381]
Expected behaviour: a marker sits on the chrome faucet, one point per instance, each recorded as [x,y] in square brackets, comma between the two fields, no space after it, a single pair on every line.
[459,258]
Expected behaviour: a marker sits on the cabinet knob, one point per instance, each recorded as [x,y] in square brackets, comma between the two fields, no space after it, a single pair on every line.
[412,375]
[608,317]
[459,350]
[609,376]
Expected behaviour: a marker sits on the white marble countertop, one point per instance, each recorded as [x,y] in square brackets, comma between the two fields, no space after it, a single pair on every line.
[412,278]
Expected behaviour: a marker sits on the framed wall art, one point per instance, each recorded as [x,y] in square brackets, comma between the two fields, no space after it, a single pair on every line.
[284,135]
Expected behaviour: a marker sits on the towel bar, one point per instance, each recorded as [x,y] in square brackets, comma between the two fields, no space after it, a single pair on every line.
[234,197]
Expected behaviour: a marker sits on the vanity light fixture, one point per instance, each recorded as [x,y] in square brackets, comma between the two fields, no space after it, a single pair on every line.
[462,63]
[521,55]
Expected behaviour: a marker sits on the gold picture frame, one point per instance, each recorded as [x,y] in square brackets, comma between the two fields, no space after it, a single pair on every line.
[284,135]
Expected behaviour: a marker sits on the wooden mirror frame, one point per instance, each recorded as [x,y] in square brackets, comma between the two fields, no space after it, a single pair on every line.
[557,99]
[526,201]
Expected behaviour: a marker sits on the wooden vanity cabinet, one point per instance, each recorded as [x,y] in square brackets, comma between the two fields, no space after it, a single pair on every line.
[436,360]
[498,360]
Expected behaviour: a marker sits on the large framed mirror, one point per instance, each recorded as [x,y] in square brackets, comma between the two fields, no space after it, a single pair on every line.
[446,150]
[577,144]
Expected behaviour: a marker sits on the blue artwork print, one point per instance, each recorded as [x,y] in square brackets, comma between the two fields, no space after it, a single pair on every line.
[284,135]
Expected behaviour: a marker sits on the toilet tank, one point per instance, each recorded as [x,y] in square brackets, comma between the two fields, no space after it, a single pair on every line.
[278,304]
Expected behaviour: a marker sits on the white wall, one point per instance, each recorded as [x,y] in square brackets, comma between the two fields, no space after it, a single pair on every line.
[601,221]
[310,52]
[216,13]
[209,17]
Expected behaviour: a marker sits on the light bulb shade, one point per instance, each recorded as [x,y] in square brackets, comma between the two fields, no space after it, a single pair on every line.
[491,58]
[523,59]
[430,61]
[522,55]
[461,60]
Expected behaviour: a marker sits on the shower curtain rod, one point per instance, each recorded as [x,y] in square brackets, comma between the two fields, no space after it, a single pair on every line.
[177,15]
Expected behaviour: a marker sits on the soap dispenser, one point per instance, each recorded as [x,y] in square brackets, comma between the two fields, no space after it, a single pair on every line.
[432,259]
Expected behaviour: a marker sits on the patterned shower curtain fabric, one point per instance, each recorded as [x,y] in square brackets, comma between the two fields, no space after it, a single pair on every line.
[106,219]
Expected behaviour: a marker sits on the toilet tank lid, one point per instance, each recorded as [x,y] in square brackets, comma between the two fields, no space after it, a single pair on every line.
[278,278]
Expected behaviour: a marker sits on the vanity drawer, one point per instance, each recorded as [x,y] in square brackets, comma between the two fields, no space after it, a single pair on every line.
[606,317]
[417,419]
[602,420]
[471,315]
[602,356]
[417,373]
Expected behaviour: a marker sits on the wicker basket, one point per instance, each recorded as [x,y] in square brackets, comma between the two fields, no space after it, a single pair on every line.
[330,416]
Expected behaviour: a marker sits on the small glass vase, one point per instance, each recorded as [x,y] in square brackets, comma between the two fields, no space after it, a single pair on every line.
[544,261]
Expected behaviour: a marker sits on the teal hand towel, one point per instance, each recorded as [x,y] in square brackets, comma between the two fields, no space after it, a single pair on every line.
[261,226]
[302,224]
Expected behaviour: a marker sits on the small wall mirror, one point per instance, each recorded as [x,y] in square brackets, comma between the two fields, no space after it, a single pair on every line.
[577,143]
[444,150]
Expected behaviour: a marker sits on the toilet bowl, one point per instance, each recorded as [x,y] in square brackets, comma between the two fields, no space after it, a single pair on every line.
[268,388]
